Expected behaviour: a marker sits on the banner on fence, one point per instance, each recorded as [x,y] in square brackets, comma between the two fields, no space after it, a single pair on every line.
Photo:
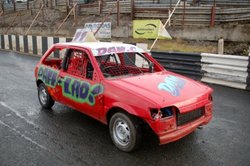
[104,31]
[149,29]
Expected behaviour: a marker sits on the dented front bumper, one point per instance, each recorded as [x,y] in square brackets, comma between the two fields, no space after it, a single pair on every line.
[168,131]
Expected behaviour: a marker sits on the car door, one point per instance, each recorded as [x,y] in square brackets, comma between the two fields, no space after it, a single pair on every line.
[80,83]
[49,69]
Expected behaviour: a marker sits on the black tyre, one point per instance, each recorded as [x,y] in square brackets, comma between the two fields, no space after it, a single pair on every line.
[125,132]
[44,97]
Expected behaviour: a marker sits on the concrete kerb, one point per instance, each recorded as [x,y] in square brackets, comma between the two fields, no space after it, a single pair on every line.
[33,45]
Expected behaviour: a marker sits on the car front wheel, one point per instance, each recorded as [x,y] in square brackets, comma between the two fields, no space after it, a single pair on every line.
[124,131]
[44,97]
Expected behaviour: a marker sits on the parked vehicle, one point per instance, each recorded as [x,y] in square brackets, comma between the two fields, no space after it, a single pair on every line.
[123,87]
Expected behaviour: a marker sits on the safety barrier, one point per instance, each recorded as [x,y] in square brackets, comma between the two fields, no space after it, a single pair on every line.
[227,70]
[183,63]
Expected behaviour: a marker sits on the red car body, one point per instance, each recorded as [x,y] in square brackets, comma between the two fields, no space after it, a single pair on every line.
[172,105]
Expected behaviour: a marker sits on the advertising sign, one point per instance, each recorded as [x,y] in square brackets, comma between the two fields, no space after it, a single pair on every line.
[104,31]
[149,29]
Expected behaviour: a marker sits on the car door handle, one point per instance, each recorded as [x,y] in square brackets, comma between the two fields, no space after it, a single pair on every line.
[60,78]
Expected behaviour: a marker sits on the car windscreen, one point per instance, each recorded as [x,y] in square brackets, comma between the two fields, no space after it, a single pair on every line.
[124,64]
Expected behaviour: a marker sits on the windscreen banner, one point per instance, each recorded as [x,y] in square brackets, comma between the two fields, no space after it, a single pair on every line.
[83,35]
[149,29]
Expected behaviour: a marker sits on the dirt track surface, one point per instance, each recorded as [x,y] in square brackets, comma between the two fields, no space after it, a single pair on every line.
[30,135]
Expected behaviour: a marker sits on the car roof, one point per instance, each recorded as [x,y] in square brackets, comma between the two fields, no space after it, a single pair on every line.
[104,48]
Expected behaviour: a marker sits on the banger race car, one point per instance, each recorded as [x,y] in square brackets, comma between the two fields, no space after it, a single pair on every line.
[123,87]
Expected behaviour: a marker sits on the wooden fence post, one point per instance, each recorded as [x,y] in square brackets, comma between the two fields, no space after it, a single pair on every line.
[171,5]
[184,13]
[14,5]
[67,6]
[100,6]
[3,18]
[169,12]
[28,5]
[75,15]
[213,13]
[118,12]
[212,22]
[21,21]
[132,9]
[43,14]
[31,11]
[50,4]
[53,3]
[2,7]
[221,46]
[194,2]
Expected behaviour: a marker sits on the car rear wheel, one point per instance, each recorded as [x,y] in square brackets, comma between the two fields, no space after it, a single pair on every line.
[125,132]
[44,97]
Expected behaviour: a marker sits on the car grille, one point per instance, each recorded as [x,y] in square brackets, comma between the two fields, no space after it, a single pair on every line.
[190,116]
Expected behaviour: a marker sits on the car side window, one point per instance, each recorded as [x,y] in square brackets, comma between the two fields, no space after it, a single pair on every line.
[79,64]
[55,58]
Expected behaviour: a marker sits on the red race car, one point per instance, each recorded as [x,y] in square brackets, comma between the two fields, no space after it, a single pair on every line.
[123,87]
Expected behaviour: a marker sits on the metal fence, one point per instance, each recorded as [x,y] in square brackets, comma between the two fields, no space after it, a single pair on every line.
[104,7]
[13,7]
[189,12]
[225,3]
[186,13]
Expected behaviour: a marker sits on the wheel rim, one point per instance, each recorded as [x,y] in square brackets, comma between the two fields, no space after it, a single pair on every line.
[121,132]
[43,95]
